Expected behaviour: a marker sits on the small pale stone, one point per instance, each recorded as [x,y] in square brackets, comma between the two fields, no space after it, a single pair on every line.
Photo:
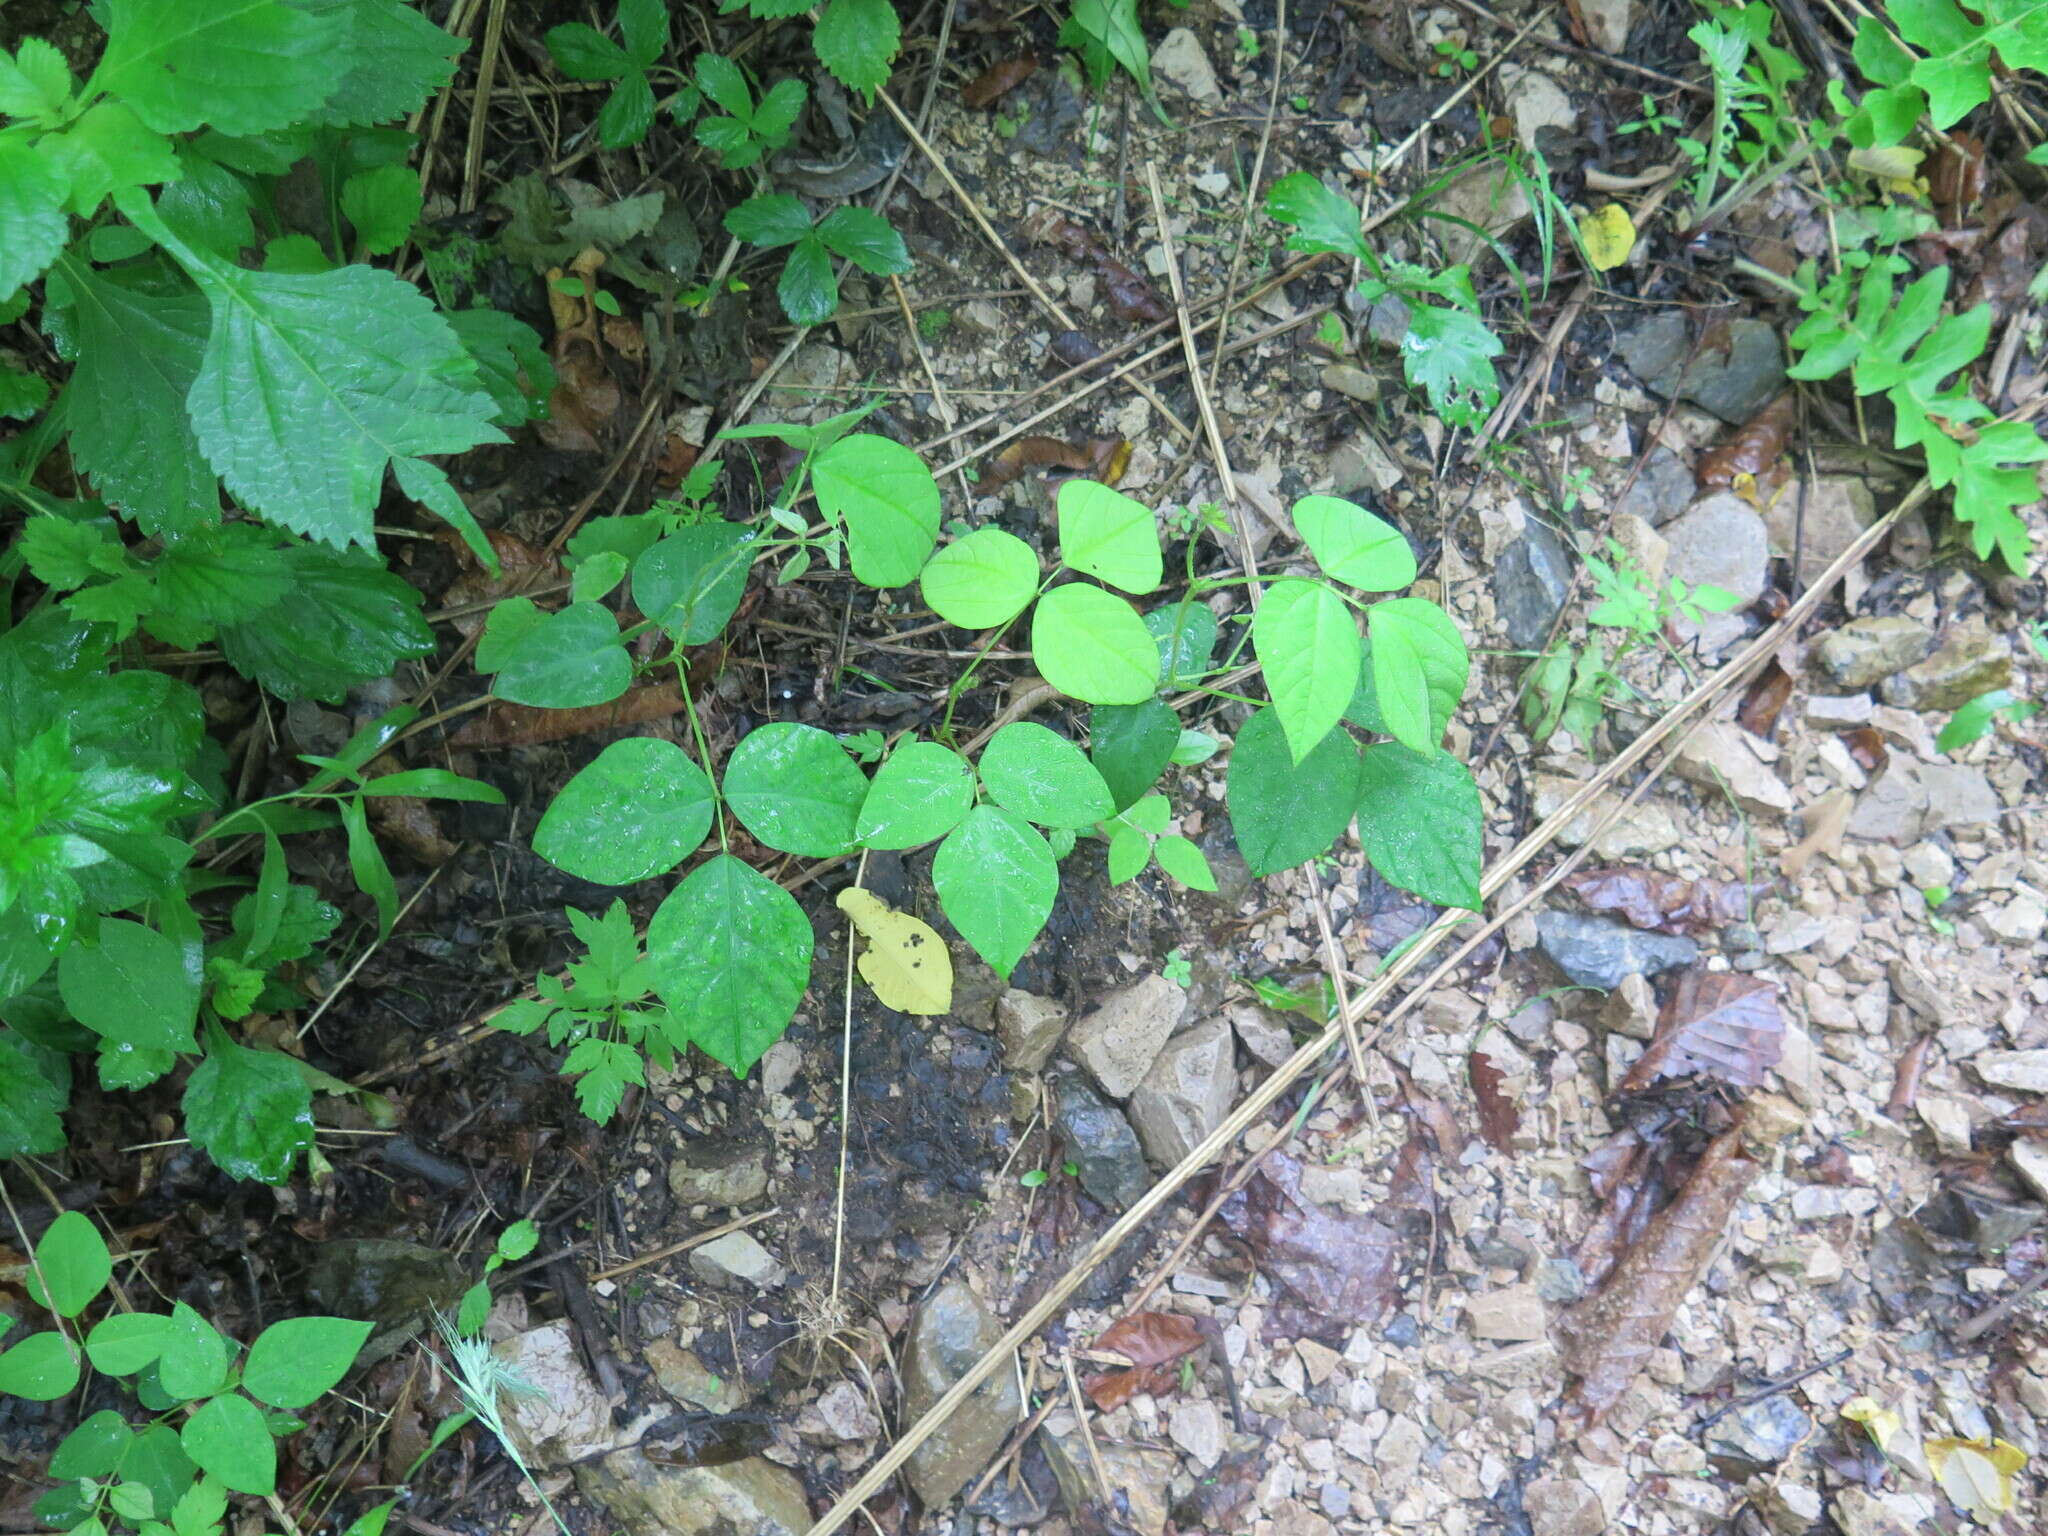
[1518,1365]
[1838,711]
[1717,756]
[1197,1428]
[736,1260]
[2019,921]
[1949,1121]
[1319,1360]
[2030,1161]
[2024,1070]
[1509,1315]
[1630,1009]
[1119,1040]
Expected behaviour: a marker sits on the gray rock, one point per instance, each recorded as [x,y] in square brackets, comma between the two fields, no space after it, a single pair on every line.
[1838,509]
[397,1286]
[1180,60]
[1117,1042]
[736,1262]
[1655,349]
[1662,491]
[1735,385]
[1560,1279]
[1867,651]
[1264,1034]
[1761,1434]
[1187,1093]
[1894,808]
[1958,796]
[664,1498]
[724,1175]
[1358,465]
[684,1376]
[1347,379]
[1599,952]
[1226,863]
[1030,1028]
[2026,1071]
[1718,541]
[1952,676]
[1838,711]
[950,1332]
[1531,580]
[976,987]
[1101,1143]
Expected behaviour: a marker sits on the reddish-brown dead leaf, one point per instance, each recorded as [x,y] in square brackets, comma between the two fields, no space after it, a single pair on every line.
[408,821]
[1906,1080]
[1151,1341]
[2010,260]
[1764,701]
[583,410]
[1102,458]
[1868,748]
[1957,176]
[1648,898]
[997,81]
[1610,1335]
[1754,448]
[1343,1269]
[1726,1024]
[521,725]
[1498,1117]
[1071,349]
[1129,296]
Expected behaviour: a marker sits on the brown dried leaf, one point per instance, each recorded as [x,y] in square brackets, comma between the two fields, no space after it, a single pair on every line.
[1754,448]
[521,725]
[1498,1117]
[1957,176]
[1151,1341]
[1101,458]
[583,410]
[2010,260]
[1072,349]
[1609,1336]
[1343,1268]
[1648,898]
[1868,748]
[407,821]
[1129,296]
[1825,824]
[1765,701]
[997,81]
[1724,1023]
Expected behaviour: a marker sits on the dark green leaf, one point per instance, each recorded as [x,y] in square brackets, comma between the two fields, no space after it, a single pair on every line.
[293,1362]
[769,221]
[131,985]
[245,68]
[584,53]
[808,291]
[382,205]
[1186,633]
[367,865]
[638,808]
[644,26]
[1130,745]
[864,238]
[35,1089]
[794,788]
[857,41]
[94,1449]
[1287,813]
[1420,820]
[250,1111]
[1323,220]
[72,1260]
[628,112]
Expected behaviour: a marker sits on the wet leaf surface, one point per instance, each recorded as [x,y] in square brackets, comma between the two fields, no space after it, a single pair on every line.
[1646,898]
[1755,447]
[1725,1024]
[1499,1119]
[1153,1341]
[997,81]
[1337,1267]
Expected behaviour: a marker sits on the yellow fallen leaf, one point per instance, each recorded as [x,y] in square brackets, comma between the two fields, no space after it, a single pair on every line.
[1879,1423]
[1976,1474]
[1893,164]
[1608,234]
[905,961]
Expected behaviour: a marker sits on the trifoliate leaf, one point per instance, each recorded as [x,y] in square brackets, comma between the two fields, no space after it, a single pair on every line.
[857,41]
[245,67]
[905,960]
[310,386]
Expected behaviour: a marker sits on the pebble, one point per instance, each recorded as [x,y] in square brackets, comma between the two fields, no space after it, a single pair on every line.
[1733,381]
[737,1262]
[950,1332]
[1893,809]
[1761,1434]
[1531,581]
[642,1497]
[1864,652]
[1949,1121]
[1717,756]
[1719,541]
[708,1174]
[1952,676]
[1102,1144]
[1509,1316]
[2020,921]
[1600,952]
[1197,1428]
[1838,711]
[1029,1027]
[1180,60]
[1186,1093]
[1116,1043]
[1958,795]
[2024,1070]
[1355,382]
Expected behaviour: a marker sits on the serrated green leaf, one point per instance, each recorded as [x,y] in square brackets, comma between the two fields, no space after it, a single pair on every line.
[228,1438]
[777,114]
[724,82]
[731,953]
[310,386]
[388,61]
[382,205]
[344,620]
[857,41]
[583,53]
[210,205]
[1091,644]
[1449,354]
[628,112]
[864,238]
[794,788]
[887,501]
[1322,220]
[22,394]
[108,150]
[643,24]
[1421,822]
[1043,777]
[769,221]
[918,795]
[250,1111]
[1419,667]
[35,1085]
[1108,535]
[1286,813]
[635,811]
[244,66]
[35,82]
[996,880]
[981,581]
[32,223]
[511,362]
[808,290]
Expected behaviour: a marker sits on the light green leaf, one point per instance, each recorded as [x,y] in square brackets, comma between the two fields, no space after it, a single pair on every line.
[1308,649]
[131,986]
[996,880]
[571,659]
[1108,535]
[888,502]
[1286,813]
[311,385]
[36,82]
[382,205]
[1184,861]
[1421,822]
[109,149]
[1043,777]
[122,1344]
[228,1438]
[293,1362]
[1449,353]
[794,788]
[857,41]
[634,812]
[250,1111]
[1419,666]
[42,1368]
[390,59]
[691,582]
[194,1359]
[864,238]
[244,66]
[918,795]
[1323,220]
[981,581]
[72,1259]
[1092,644]
[731,952]
[1352,545]
[32,222]
[1129,852]
[1970,722]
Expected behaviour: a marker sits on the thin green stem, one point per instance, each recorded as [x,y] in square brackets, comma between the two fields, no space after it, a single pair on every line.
[703,752]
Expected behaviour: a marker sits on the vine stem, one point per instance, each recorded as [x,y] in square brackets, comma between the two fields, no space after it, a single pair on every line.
[703,750]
